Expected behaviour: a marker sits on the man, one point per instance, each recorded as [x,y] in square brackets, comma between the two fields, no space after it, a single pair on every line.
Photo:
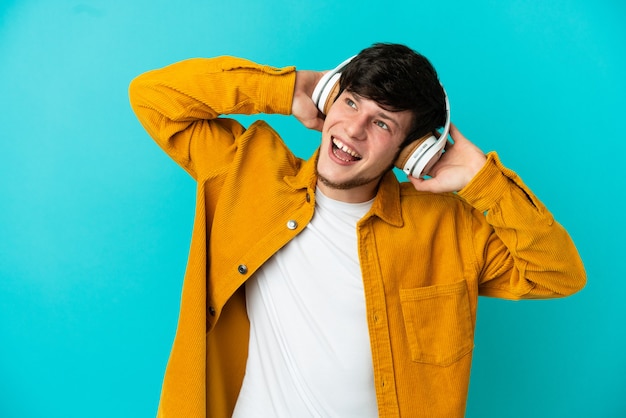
[325,287]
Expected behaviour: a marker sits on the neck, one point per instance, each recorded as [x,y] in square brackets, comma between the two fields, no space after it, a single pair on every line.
[346,193]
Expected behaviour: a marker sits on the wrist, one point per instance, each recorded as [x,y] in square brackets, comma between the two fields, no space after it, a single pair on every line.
[487,185]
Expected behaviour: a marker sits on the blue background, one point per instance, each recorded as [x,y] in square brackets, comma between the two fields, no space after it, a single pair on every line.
[95,220]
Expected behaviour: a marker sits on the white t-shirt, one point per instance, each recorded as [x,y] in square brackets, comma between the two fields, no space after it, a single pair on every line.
[309,351]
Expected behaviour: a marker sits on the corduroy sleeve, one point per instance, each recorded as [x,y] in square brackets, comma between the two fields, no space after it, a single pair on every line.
[526,253]
[179,106]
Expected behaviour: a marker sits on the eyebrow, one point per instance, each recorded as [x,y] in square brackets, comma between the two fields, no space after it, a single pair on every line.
[381,115]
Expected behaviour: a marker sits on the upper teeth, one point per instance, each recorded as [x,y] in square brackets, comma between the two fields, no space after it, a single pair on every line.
[345,148]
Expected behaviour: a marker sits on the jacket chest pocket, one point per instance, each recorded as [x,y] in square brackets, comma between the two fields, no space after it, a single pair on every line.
[438,323]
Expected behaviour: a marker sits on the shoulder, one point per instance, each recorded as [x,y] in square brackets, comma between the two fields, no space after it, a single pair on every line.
[258,156]
[436,208]
[416,200]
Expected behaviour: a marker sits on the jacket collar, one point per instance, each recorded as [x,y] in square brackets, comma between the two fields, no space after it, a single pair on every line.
[386,204]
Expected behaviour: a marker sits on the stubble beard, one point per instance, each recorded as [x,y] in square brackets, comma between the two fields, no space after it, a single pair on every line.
[352,183]
[355,182]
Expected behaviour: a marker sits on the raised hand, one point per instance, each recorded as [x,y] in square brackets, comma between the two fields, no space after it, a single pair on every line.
[303,107]
[456,167]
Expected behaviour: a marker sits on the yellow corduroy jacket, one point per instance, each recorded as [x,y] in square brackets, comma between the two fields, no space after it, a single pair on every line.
[424,257]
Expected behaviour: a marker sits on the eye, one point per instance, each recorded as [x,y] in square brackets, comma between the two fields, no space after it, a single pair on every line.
[382,125]
[351,103]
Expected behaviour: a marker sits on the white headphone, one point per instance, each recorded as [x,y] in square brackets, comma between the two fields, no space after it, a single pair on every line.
[417,157]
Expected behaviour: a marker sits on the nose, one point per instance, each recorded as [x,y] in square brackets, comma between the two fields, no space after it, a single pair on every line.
[356,127]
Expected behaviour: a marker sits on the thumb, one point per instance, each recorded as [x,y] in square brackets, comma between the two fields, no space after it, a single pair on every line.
[426,185]
[418,183]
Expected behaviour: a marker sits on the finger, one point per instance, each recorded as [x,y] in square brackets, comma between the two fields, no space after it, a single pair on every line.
[454,129]
[455,134]
[423,185]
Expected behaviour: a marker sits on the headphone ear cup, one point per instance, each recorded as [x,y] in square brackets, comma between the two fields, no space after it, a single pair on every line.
[408,152]
[327,89]
[328,93]
[330,98]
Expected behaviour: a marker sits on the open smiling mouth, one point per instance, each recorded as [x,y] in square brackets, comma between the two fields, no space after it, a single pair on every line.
[343,152]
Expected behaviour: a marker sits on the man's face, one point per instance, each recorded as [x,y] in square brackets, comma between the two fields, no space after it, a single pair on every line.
[360,141]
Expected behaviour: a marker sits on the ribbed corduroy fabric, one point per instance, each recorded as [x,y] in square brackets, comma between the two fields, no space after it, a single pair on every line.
[425,258]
